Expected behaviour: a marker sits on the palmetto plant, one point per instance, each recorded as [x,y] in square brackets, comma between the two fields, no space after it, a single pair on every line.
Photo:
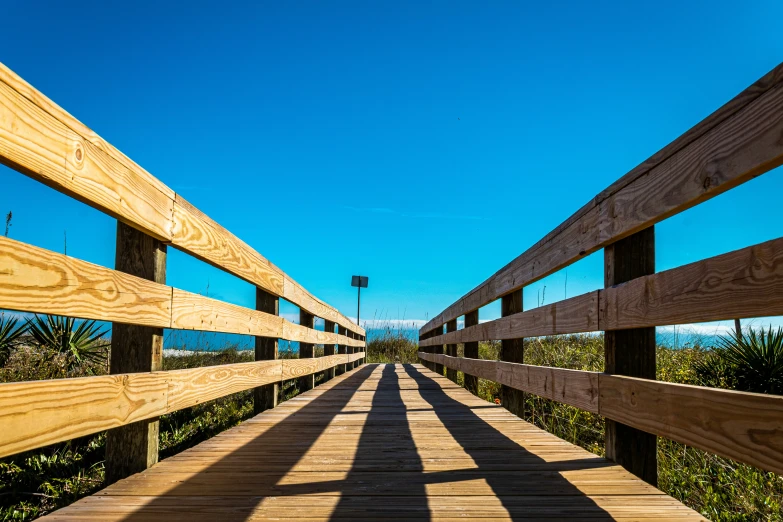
[9,336]
[80,341]
[751,361]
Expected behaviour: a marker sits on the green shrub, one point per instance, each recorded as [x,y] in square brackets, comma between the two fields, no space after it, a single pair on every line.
[79,341]
[752,361]
[9,336]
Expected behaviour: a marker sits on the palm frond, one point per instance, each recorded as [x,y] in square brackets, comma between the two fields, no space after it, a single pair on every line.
[9,336]
[755,358]
[80,341]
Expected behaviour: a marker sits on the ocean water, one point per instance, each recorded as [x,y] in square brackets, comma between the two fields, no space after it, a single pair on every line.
[210,341]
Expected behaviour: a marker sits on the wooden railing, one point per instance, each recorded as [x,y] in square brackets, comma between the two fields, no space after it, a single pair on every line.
[41,140]
[741,140]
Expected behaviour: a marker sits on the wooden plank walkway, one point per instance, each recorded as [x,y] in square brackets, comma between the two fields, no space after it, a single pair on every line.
[384,441]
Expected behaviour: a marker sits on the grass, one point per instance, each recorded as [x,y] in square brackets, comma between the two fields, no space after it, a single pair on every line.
[720,489]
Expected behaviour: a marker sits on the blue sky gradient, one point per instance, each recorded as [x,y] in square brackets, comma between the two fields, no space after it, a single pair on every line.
[424,144]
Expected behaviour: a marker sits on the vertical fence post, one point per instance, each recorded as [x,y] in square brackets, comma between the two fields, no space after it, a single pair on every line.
[354,349]
[306,350]
[451,349]
[438,348]
[265,397]
[349,350]
[423,337]
[471,351]
[512,350]
[342,350]
[134,447]
[631,352]
[329,349]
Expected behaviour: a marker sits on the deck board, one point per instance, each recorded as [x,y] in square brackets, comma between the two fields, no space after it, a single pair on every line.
[381,442]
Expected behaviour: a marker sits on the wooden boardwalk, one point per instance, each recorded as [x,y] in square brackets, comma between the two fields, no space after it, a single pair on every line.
[383,441]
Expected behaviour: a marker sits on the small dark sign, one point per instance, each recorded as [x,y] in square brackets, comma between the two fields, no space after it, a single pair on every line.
[360,281]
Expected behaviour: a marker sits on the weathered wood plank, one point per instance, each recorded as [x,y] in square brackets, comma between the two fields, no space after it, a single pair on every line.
[38,144]
[576,314]
[295,293]
[36,280]
[265,397]
[743,283]
[738,142]
[296,368]
[631,352]
[41,140]
[329,349]
[36,414]
[512,350]
[389,442]
[195,233]
[746,427]
[134,447]
[196,312]
[471,352]
[451,349]
[188,388]
[39,413]
[573,387]
[306,350]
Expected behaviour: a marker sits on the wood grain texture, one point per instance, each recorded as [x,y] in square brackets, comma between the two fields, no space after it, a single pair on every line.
[41,140]
[739,284]
[746,427]
[188,388]
[36,414]
[196,312]
[296,368]
[295,293]
[134,447]
[573,387]
[265,397]
[512,350]
[576,314]
[195,233]
[631,352]
[471,350]
[39,413]
[36,280]
[38,144]
[738,142]
[386,442]
[451,349]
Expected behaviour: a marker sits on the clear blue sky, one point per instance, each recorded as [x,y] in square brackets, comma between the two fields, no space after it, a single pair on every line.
[422,144]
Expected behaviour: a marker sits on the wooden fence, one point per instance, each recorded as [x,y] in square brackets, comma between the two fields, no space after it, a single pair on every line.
[41,140]
[741,140]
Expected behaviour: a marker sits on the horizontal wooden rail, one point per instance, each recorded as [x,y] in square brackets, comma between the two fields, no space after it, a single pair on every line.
[738,142]
[36,280]
[739,284]
[41,140]
[746,427]
[39,413]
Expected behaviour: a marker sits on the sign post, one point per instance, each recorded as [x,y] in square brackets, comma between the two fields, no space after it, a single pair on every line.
[359,282]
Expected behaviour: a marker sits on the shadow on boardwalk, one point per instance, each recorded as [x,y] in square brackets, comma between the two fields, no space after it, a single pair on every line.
[386,477]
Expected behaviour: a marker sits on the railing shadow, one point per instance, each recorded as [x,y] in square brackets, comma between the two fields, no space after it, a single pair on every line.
[387,477]
[540,490]
[228,489]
